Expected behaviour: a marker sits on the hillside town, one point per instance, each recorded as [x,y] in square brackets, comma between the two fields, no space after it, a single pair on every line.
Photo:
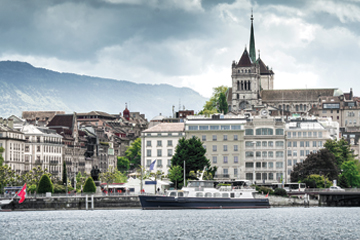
[262,134]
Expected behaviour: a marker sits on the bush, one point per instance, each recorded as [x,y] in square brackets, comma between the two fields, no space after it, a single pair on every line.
[280,192]
[31,188]
[89,185]
[59,188]
[265,190]
[45,184]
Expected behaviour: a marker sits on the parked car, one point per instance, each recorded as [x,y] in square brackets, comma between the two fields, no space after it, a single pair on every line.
[336,188]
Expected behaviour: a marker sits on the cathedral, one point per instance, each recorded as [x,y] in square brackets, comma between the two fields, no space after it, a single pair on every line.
[253,87]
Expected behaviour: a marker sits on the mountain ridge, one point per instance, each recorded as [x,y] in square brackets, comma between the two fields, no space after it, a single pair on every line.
[24,87]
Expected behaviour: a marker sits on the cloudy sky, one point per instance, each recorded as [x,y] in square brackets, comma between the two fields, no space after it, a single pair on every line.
[190,43]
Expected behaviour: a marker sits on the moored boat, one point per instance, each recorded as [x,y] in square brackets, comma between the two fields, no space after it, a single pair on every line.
[205,194]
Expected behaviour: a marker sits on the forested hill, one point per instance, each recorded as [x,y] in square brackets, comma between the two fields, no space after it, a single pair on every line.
[27,88]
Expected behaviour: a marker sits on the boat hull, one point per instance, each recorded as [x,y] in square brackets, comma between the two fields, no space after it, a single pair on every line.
[165,202]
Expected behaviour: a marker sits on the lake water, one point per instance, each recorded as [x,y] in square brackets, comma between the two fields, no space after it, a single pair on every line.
[273,223]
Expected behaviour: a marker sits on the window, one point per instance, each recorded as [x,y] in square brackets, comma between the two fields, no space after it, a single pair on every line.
[294,134]
[235,137]
[264,154]
[38,148]
[258,154]
[302,144]
[304,134]
[279,154]
[249,154]
[299,134]
[258,164]
[301,153]
[235,148]
[264,164]
[314,143]
[235,127]
[214,148]
[249,132]
[148,162]
[159,143]
[320,144]
[159,163]
[148,143]
[249,164]
[271,144]
[315,134]
[295,162]
[307,144]
[258,144]
[169,163]
[271,176]
[279,131]
[271,165]
[289,153]
[289,134]
[258,176]
[225,127]
[264,176]
[214,137]
[309,134]
[235,172]
[225,159]
[236,159]
[214,159]
[170,152]
[307,152]
[279,164]
[203,137]
[264,131]
[320,134]
[249,176]
[249,144]
[204,127]
[193,128]
[214,127]
[264,144]
[289,144]
[225,148]
[148,153]
[271,154]
[225,137]
[170,143]
[159,153]
[279,143]
[294,153]
[294,144]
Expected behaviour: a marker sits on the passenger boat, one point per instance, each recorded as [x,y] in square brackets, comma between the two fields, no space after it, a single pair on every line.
[205,194]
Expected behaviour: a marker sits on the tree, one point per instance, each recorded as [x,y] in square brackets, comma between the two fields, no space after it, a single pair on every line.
[64,175]
[123,164]
[176,174]
[350,175]
[89,186]
[210,106]
[7,176]
[193,153]
[317,181]
[223,106]
[133,153]
[341,150]
[322,162]
[1,157]
[111,176]
[45,184]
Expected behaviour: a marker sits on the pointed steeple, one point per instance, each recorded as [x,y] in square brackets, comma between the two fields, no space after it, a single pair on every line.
[252,40]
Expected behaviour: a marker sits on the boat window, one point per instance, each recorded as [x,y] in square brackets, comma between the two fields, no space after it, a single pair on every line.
[225,195]
[232,195]
[209,184]
[180,194]
[216,194]
[173,194]
[208,194]
[199,194]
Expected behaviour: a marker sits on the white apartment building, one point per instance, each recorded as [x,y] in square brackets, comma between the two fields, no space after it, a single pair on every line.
[13,143]
[43,147]
[159,142]
[264,149]
[305,136]
[222,137]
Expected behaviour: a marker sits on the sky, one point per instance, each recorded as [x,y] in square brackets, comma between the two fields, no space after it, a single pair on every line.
[186,43]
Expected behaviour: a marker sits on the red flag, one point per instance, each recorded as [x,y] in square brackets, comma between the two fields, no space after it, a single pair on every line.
[267,195]
[22,194]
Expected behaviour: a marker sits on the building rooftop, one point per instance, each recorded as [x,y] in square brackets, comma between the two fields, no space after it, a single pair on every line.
[166,127]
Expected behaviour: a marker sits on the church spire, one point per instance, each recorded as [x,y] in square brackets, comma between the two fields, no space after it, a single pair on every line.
[252,40]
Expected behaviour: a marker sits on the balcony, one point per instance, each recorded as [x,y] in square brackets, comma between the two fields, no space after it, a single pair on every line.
[53,162]
[54,172]
[68,163]
[81,163]
[38,162]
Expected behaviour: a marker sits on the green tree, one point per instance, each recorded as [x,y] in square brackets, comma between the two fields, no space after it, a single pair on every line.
[223,106]
[112,176]
[193,153]
[1,157]
[123,164]
[176,174]
[45,184]
[322,162]
[341,150]
[89,186]
[64,175]
[350,174]
[210,106]
[7,176]
[133,153]
[317,181]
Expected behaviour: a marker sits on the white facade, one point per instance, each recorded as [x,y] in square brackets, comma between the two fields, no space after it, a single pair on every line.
[159,143]
[43,147]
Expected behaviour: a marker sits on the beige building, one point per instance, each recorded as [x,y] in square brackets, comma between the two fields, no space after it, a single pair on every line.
[222,137]
[159,143]
[13,143]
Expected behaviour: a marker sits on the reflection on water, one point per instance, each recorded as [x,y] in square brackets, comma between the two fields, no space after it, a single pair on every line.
[274,223]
